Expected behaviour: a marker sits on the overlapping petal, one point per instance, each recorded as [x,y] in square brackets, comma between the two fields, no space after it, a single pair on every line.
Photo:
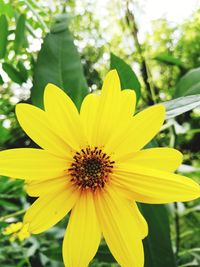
[64,117]
[166,159]
[141,129]
[31,164]
[88,115]
[120,229]
[155,186]
[128,103]
[49,209]
[90,109]
[83,234]
[36,124]
[108,109]
[37,188]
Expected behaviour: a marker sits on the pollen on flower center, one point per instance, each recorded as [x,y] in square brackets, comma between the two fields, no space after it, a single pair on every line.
[90,169]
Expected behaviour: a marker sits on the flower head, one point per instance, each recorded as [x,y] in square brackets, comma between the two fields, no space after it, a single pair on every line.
[94,164]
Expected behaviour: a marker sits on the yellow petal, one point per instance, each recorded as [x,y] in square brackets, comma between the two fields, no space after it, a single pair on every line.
[30,163]
[140,220]
[64,116]
[155,186]
[166,159]
[37,188]
[108,109]
[83,234]
[120,229]
[35,123]
[138,217]
[142,128]
[88,115]
[49,209]
[128,102]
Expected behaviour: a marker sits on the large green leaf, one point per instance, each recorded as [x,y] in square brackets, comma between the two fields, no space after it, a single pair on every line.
[127,76]
[189,84]
[157,245]
[3,35]
[181,105]
[168,59]
[59,63]
[19,33]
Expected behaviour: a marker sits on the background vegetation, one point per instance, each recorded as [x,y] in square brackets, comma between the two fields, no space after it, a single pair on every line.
[77,50]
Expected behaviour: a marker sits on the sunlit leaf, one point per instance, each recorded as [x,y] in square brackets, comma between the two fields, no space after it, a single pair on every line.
[127,76]
[181,105]
[189,84]
[168,59]
[6,8]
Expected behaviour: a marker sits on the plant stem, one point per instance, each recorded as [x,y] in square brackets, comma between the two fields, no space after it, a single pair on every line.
[177,220]
[3,218]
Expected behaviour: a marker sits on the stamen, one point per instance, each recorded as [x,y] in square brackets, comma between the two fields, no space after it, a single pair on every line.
[91,169]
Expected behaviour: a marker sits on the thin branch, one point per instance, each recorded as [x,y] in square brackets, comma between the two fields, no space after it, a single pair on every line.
[130,18]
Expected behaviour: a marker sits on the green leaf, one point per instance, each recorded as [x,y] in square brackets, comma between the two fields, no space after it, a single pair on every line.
[59,63]
[19,33]
[181,105]
[3,35]
[1,80]
[168,59]
[6,9]
[189,84]
[127,76]
[157,245]
[13,73]
[23,71]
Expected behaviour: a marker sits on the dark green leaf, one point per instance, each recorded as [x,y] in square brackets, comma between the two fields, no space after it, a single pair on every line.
[19,33]
[59,63]
[1,80]
[127,76]
[189,84]
[181,105]
[103,254]
[54,253]
[3,35]
[168,59]
[157,245]
[13,73]
[22,70]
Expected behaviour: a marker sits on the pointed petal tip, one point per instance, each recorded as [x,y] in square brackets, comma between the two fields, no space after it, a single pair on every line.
[112,74]
[49,88]
[161,107]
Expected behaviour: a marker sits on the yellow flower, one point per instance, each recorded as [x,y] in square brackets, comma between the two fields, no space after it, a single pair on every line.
[17,230]
[92,163]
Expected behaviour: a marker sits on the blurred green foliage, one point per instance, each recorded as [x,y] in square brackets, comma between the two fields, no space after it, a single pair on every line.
[163,67]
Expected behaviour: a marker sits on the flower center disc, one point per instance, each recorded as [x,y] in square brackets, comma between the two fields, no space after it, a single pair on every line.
[90,169]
